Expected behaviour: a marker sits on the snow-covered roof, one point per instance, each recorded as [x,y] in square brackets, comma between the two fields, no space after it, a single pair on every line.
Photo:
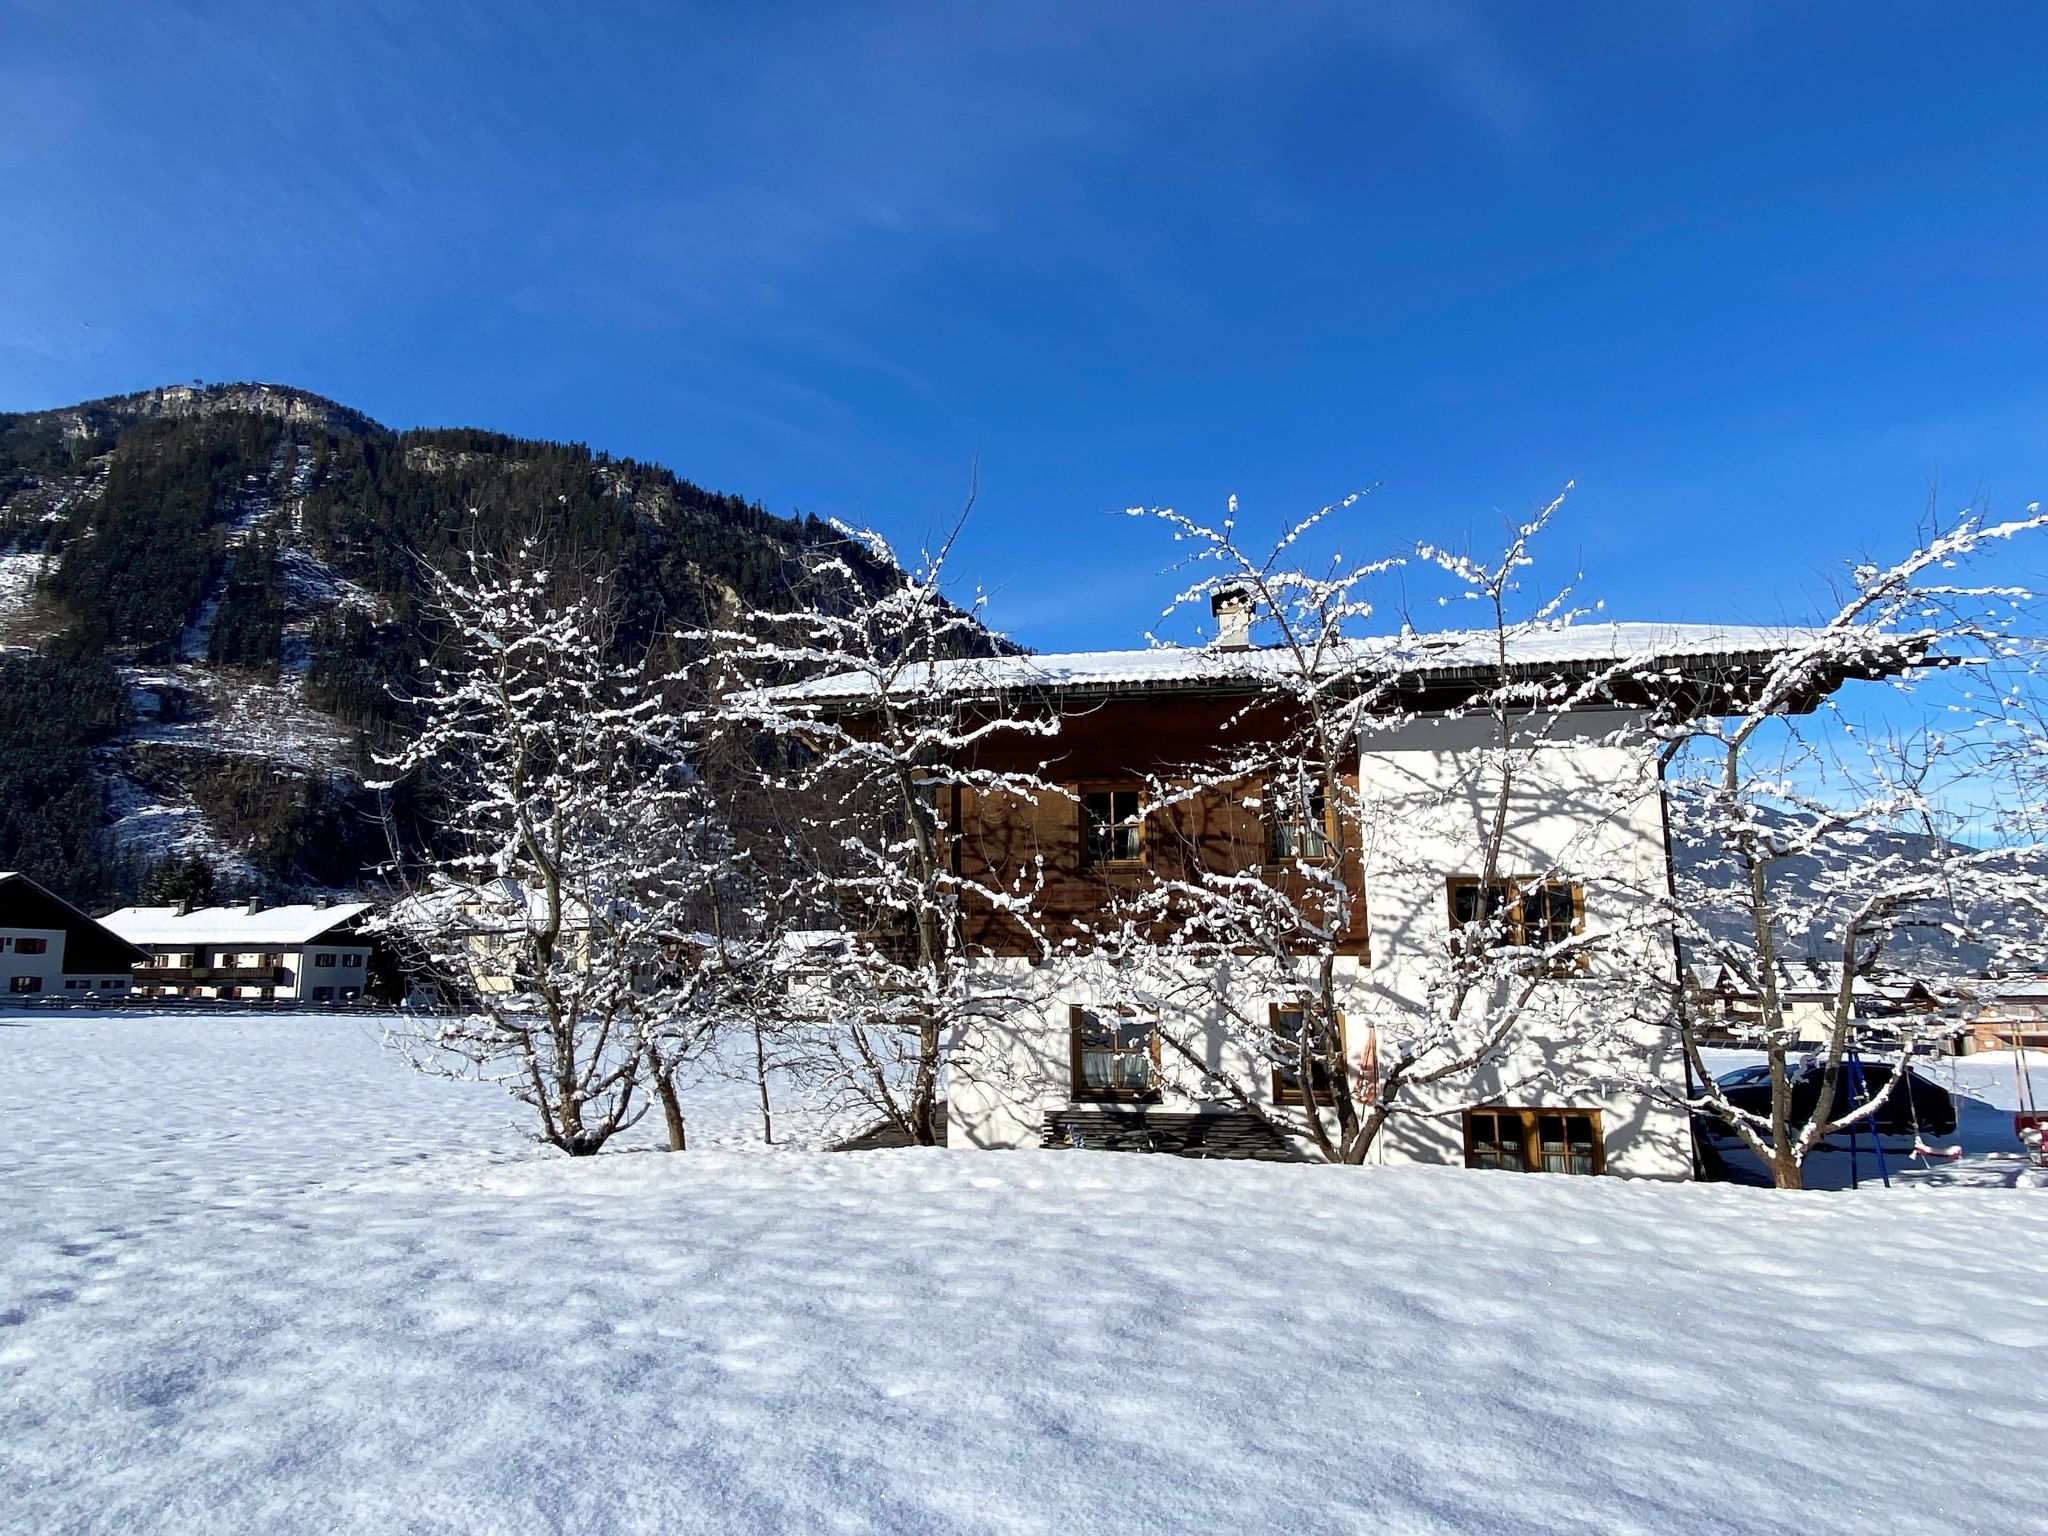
[167,927]
[1446,654]
[502,905]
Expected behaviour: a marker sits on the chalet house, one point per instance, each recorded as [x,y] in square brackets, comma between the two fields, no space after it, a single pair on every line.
[307,953]
[459,940]
[1729,1010]
[2008,1013]
[1546,1102]
[48,948]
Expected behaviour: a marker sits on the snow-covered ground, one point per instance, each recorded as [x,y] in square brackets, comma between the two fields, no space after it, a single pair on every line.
[257,1276]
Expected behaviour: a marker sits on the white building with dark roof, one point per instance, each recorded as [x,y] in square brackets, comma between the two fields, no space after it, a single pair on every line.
[48,948]
[308,952]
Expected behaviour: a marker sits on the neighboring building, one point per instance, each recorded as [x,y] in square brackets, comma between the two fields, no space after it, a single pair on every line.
[48,948]
[1728,1009]
[308,953]
[2009,1013]
[1068,1063]
[459,941]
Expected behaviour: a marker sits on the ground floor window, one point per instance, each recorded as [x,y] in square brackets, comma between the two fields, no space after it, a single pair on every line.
[1535,1140]
[1288,1021]
[1115,1054]
[323,994]
[25,984]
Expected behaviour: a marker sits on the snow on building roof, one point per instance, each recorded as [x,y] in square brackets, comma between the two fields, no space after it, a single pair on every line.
[168,927]
[501,905]
[1445,654]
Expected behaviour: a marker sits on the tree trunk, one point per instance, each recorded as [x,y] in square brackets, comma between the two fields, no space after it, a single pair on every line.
[671,1107]
[924,1095]
[761,1079]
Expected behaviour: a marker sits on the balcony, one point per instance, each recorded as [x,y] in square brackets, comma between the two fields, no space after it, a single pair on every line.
[217,975]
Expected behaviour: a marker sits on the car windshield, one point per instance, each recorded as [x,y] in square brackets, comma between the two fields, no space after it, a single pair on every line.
[1742,1075]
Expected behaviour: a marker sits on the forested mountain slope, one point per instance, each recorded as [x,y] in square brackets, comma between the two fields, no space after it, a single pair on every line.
[206,595]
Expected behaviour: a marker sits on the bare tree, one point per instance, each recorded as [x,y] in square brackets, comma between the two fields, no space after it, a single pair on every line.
[559,922]
[869,759]
[1209,943]
[1811,843]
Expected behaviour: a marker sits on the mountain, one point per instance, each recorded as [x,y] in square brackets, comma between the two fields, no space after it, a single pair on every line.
[1815,893]
[207,592]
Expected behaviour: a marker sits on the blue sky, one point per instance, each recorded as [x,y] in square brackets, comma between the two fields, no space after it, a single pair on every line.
[1755,276]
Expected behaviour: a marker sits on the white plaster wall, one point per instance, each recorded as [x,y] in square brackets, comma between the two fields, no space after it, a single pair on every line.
[48,967]
[1582,806]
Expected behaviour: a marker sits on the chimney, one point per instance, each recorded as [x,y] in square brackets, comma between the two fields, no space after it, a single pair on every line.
[320,902]
[255,906]
[1234,609]
[184,906]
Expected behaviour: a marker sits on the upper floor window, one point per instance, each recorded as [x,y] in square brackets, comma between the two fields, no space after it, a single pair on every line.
[1112,826]
[1115,1054]
[31,946]
[1300,828]
[1527,914]
[323,960]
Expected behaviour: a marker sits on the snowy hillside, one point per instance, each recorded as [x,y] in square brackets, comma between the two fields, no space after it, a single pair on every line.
[263,1279]
[247,561]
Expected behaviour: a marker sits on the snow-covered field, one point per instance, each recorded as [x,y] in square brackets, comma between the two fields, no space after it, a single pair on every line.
[256,1276]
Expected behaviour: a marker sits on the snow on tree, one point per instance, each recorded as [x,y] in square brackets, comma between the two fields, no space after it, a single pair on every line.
[1871,859]
[865,761]
[1215,939]
[560,922]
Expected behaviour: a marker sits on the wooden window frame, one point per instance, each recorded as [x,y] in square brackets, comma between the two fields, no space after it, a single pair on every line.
[1515,933]
[30,945]
[1139,823]
[1080,1089]
[1276,824]
[1529,1124]
[1290,1097]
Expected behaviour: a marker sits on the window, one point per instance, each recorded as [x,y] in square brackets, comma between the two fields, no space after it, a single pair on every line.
[324,961]
[1115,1055]
[75,985]
[351,961]
[1289,1019]
[1300,827]
[1532,914]
[25,984]
[1113,831]
[31,946]
[323,994]
[1535,1140]
[109,986]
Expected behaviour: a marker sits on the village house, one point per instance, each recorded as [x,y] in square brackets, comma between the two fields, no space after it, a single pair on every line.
[1728,1011]
[311,952]
[460,940]
[2008,1013]
[48,948]
[1064,1068]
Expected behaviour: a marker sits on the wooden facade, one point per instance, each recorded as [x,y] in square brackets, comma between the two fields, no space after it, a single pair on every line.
[1116,744]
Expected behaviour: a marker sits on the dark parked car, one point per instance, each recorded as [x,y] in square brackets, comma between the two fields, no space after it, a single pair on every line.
[1749,1088]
